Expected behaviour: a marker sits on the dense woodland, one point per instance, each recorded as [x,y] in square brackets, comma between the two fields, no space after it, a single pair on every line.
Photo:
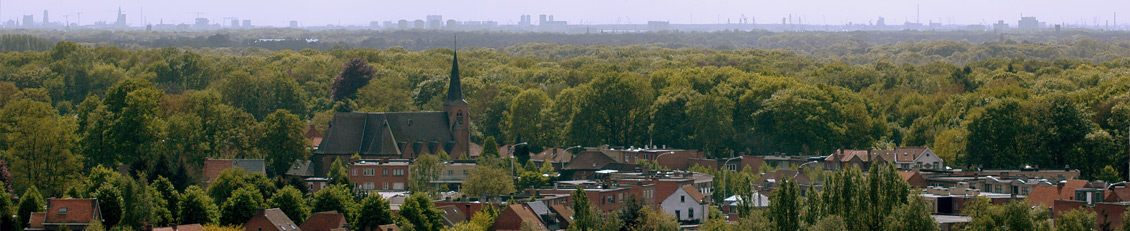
[70,107]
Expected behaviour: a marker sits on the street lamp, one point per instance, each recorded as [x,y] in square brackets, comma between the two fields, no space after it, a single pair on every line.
[661,155]
[567,150]
[801,168]
[510,153]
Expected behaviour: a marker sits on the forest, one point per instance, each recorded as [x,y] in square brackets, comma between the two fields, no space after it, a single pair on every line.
[72,109]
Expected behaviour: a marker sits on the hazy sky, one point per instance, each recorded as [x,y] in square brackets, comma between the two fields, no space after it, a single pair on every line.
[323,12]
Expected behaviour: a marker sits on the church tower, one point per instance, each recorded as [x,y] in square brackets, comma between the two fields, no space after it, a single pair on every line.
[458,113]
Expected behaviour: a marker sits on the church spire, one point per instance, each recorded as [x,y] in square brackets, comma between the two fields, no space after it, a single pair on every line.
[455,87]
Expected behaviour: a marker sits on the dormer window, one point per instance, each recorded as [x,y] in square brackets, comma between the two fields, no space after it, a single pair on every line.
[63,211]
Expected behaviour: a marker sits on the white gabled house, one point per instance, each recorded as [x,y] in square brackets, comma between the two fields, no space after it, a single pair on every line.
[687,204]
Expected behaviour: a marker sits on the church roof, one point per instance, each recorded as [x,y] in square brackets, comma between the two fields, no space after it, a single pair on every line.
[384,133]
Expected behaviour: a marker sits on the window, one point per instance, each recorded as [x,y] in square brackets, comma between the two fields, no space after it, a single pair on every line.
[370,172]
[63,211]
[682,198]
[398,186]
[936,165]
[450,172]
[370,186]
[678,214]
[398,172]
[464,172]
[355,172]
[998,189]
[384,172]
[386,186]
[690,213]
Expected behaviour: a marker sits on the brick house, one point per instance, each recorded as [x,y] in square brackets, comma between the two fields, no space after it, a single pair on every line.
[374,175]
[270,220]
[512,217]
[75,214]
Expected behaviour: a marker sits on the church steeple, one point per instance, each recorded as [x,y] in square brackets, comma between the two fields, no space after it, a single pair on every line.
[454,86]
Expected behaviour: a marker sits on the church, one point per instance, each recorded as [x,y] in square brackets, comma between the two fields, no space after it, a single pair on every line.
[399,135]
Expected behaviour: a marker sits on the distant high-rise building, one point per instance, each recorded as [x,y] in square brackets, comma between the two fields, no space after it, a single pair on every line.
[418,24]
[46,20]
[435,21]
[235,23]
[1028,23]
[29,20]
[402,24]
[882,22]
[293,23]
[201,22]
[1000,26]
[541,19]
[524,20]
[247,23]
[374,24]
[451,23]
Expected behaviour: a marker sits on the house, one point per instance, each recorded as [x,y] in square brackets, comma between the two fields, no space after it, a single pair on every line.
[325,221]
[512,217]
[917,158]
[1046,195]
[213,167]
[564,215]
[71,214]
[688,205]
[454,172]
[452,215]
[862,159]
[400,135]
[379,175]
[587,163]
[914,178]
[270,220]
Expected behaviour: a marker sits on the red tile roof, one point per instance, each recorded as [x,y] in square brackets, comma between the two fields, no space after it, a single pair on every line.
[1046,195]
[698,197]
[324,221]
[213,167]
[71,211]
[37,220]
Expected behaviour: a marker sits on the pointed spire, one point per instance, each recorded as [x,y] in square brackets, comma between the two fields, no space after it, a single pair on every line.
[455,87]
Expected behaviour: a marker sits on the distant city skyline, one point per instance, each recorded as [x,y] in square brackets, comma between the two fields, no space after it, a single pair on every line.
[338,12]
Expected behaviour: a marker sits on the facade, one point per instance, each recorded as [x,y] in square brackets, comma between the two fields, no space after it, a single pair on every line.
[687,205]
[379,176]
[399,135]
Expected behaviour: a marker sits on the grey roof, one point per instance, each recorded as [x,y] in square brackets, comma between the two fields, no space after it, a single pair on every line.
[251,165]
[300,168]
[386,133]
[539,207]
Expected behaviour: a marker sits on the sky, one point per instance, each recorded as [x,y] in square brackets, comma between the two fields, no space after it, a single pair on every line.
[356,12]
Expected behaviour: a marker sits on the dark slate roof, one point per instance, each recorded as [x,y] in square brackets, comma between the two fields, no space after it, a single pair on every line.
[452,215]
[385,133]
[590,160]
